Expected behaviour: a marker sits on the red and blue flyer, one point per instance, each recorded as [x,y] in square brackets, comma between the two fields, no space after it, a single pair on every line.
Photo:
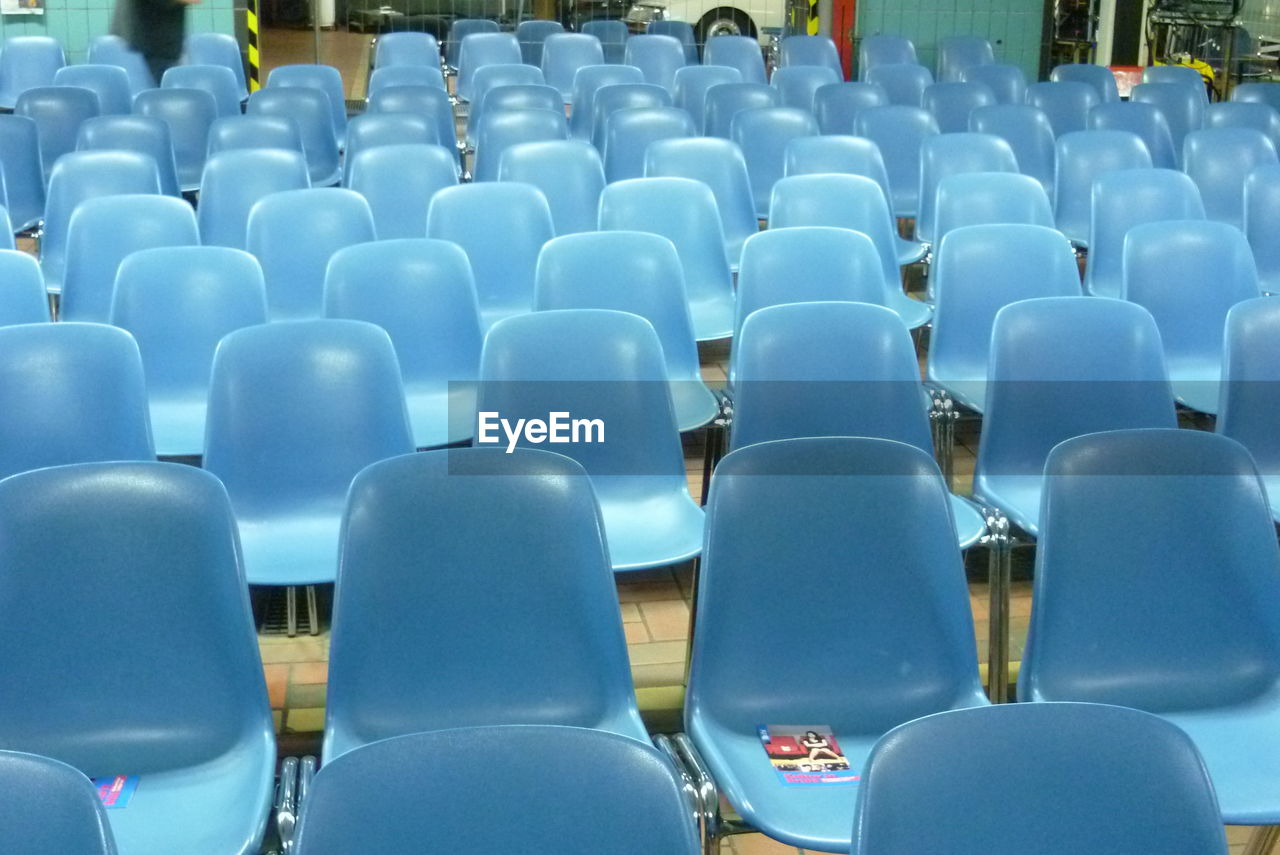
[115,791]
[806,755]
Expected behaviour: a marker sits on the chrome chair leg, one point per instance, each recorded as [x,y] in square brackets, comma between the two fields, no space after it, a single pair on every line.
[287,803]
[313,611]
[999,545]
[291,610]
[943,416]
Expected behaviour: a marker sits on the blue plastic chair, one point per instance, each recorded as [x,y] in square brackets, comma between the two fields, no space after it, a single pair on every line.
[1182,106]
[765,539]
[628,134]
[1142,119]
[982,198]
[608,366]
[499,130]
[1062,367]
[763,135]
[570,175]
[1066,103]
[1097,76]
[899,132]
[55,808]
[1218,161]
[741,52]
[1261,195]
[323,78]
[113,50]
[836,104]
[218,49]
[634,272]
[883,49]
[80,176]
[422,293]
[1147,790]
[643,798]
[798,83]
[232,184]
[310,108]
[102,233]
[719,164]
[1126,198]
[23,299]
[533,35]
[501,225]
[23,175]
[494,76]
[805,50]
[7,241]
[371,130]
[73,393]
[1257,93]
[834,369]
[951,103]
[398,182]
[689,90]
[613,35]
[977,271]
[1027,131]
[526,96]
[1215,270]
[1007,82]
[957,54]
[548,548]
[58,112]
[260,131]
[683,211]
[682,31]
[178,302]
[622,96]
[201,750]
[1250,369]
[725,101]
[405,75]
[563,55]
[218,80]
[144,134]
[459,30]
[657,56]
[425,101]
[27,62]
[109,82]
[294,270]
[904,83]
[948,154]
[1082,158]
[587,81]
[1200,548]
[287,434]
[1182,75]
[405,49]
[479,50]
[1242,114]
[189,114]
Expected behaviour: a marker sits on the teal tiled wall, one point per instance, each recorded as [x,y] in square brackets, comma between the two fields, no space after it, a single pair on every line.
[76,22]
[1012,26]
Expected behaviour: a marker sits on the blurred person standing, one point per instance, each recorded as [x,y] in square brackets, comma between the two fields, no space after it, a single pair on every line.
[154,28]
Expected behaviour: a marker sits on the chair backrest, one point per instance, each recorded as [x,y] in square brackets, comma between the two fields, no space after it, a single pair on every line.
[218,80]
[951,103]
[798,83]
[481,49]
[258,131]
[899,132]
[1261,195]
[622,96]
[957,54]
[725,101]
[1007,82]
[533,36]
[23,299]
[719,164]
[406,49]
[641,794]
[114,50]
[370,130]
[143,134]
[628,134]
[904,82]
[398,182]
[563,54]
[73,393]
[837,153]
[405,75]
[1182,106]
[657,56]
[27,62]
[613,35]
[1027,131]
[109,82]
[981,198]
[189,114]
[836,104]
[323,78]
[218,49]
[741,52]
[1261,93]
[953,154]
[883,49]
[58,112]
[232,184]
[499,130]
[763,135]
[1143,773]
[1126,198]
[1218,161]
[810,51]
[1067,103]
[570,175]
[1250,371]
[309,107]
[586,82]
[1142,119]
[425,100]
[459,30]
[1097,76]
[1166,490]
[103,232]
[24,177]
[689,90]
[680,30]
[1182,75]
[54,808]
[1243,114]
[498,75]
[1082,157]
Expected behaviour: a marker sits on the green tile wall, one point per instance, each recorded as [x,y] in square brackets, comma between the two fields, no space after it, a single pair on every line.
[76,22]
[1012,26]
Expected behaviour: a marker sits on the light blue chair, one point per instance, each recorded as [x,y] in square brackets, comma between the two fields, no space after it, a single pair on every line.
[587,81]
[1214,271]
[763,135]
[23,299]
[836,104]
[113,50]
[27,62]
[957,54]
[501,225]
[398,182]
[1182,75]
[7,241]
[480,49]
[1185,501]
[58,112]
[103,232]
[643,797]
[798,83]
[607,366]
[1007,82]
[546,551]
[948,154]
[725,101]
[982,198]
[628,133]
[294,270]
[309,107]
[55,808]
[1148,789]
[1183,108]
[622,96]
[178,302]
[493,76]
[218,49]
[143,134]
[883,49]
[764,540]
[1066,103]
[533,35]
[201,750]
[1126,198]
[287,434]
[570,175]
[73,393]
[189,113]
[613,35]
[323,78]
[387,76]
[657,57]
[1097,76]
[684,212]
[422,293]
[634,272]
[1261,195]
[1250,369]
[904,83]
[1027,131]
[522,96]
[371,130]
[425,101]
[976,272]
[501,129]
[1257,93]
[406,50]
[810,51]
[259,131]
[459,30]
[234,181]
[1243,114]
[689,89]
[218,80]
[951,103]
[740,52]
[1218,161]
[1083,157]
[899,132]
[563,55]
[682,31]
[109,82]
[1142,119]
[24,177]
[834,369]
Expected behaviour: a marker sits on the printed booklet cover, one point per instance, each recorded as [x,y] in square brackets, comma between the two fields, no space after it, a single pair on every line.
[806,755]
[116,790]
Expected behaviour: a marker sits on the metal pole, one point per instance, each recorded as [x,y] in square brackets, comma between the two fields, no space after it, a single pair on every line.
[315,27]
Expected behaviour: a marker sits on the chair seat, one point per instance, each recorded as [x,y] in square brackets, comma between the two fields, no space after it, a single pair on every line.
[177,425]
[970,526]
[712,317]
[910,251]
[1195,382]
[441,416]
[970,392]
[1018,496]
[695,404]
[217,808]
[913,312]
[648,521]
[294,550]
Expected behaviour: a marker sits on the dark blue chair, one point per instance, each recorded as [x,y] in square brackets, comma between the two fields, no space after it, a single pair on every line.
[563,55]
[740,52]
[58,112]
[1242,114]
[371,130]
[798,83]
[189,114]
[406,49]
[1250,371]
[398,182]
[657,57]
[1218,161]
[27,62]
[622,96]
[570,175]
[1066,102]
[836,104]
[1007,82]
[689,90]
[1183,108]
[114,50]
[904,83]
[143,134]
[1027,131]
[1097,76]
[682,31]
[218,80]
[479,50]
[1257,93]
[1142,119]
[23,299]
[951,103]
[1083,157]
[533,35]
[899,132]
[109,82]
[322,78]
[613,35]
[947,154]
[218,49]
[628,133]
[232,184]
[883,49]
[310,108]
[957,54]
[54,808]
[23,174]
[587,81]
[725,101]
[763,135]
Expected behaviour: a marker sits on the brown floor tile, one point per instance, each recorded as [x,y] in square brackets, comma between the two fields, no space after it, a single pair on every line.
[637,633]
[662,674]
[759,844]
[657,653]
[302,696]
[309,672]
[305,720]
[630,612]
[668,620]
[302,649]
[641,592]
[277,684]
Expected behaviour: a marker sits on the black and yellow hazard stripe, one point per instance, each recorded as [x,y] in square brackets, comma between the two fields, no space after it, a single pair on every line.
[255,56]
[811,25]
